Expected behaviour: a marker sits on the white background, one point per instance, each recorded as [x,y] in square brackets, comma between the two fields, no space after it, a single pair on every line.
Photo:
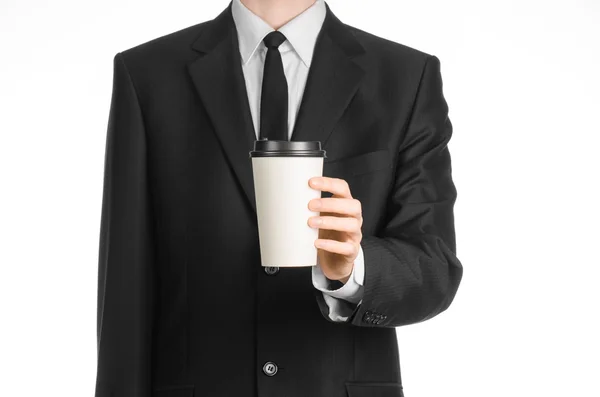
[522,79]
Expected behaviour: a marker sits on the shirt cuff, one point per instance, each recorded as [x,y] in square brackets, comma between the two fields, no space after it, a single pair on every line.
[339,309]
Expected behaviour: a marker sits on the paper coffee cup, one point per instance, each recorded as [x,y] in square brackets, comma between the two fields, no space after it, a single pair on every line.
[281,171]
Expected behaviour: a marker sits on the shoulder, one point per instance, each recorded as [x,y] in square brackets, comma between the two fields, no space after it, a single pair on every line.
[162,49]
[387,50]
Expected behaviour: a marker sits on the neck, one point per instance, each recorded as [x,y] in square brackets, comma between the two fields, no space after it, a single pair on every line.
[277,12]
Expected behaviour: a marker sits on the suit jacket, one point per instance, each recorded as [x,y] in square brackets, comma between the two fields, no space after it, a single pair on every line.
[184,307]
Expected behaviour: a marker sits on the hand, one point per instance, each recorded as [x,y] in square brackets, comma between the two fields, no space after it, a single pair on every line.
[339,227]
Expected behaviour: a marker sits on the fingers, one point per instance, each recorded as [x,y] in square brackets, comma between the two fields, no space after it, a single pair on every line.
[338,187]
[337,247]
[342,224]
[348,210]
[344,206]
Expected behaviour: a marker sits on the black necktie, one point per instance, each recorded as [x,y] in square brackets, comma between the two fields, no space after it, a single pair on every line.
[274,95]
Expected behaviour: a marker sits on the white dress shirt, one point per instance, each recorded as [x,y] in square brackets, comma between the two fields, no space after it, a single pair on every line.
[296,54]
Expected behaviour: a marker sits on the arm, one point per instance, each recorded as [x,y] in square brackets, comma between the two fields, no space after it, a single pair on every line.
[125,274]
[411,269]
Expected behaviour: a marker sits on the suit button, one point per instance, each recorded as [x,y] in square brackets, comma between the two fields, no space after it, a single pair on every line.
[270,368]
[271,270]
[368,317]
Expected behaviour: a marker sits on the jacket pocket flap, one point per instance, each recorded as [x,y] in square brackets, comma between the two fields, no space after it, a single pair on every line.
[357,165]
[374,389]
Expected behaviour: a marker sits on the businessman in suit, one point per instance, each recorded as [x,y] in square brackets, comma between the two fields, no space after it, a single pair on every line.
[184,307]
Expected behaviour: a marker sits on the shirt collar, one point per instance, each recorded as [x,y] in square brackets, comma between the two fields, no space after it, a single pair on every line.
[301,32]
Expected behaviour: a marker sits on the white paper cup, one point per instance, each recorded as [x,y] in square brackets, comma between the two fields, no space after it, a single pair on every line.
[281,171]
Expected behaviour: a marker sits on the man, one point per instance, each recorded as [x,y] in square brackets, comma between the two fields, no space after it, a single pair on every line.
[184,306]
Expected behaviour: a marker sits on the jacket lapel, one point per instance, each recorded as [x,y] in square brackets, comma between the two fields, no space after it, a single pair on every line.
[332,81]
[219,80]
[217,76]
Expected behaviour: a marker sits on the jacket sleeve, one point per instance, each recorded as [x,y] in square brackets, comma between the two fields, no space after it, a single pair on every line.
[411,269]
[125,263]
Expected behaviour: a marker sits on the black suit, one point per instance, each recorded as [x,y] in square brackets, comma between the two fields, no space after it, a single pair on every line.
[184,307]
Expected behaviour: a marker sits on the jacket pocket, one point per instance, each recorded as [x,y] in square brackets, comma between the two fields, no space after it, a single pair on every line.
[173,391]
[374,389]
[357,165]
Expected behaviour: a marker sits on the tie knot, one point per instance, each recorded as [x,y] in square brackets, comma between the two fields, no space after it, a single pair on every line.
[274,39]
